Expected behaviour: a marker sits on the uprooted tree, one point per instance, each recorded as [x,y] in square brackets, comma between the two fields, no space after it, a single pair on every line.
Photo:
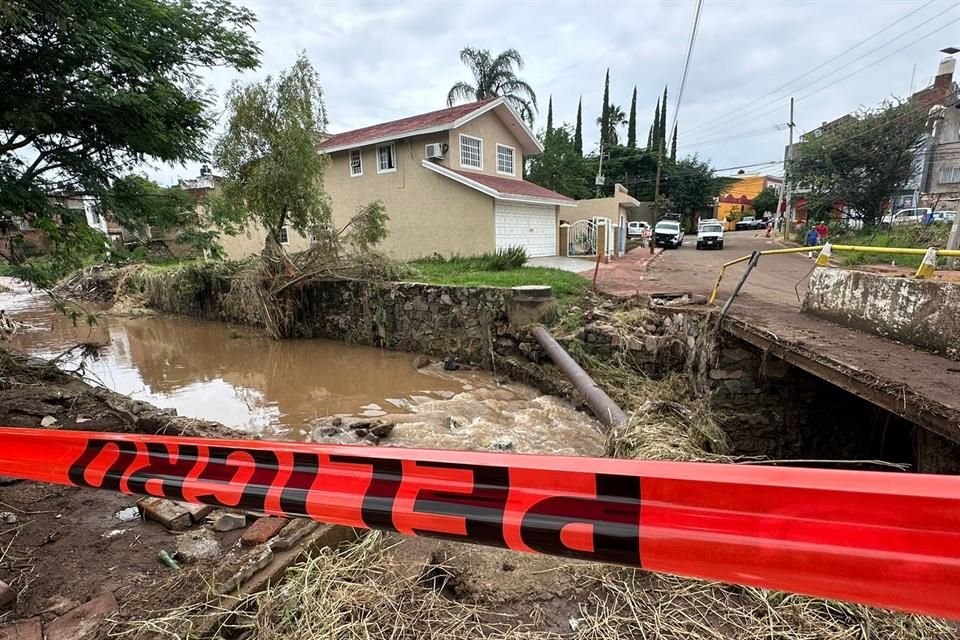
[273,171]
[862,161]
[92,89]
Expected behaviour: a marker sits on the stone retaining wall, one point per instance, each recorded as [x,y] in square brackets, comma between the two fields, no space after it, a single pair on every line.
[464,323]
[925,313]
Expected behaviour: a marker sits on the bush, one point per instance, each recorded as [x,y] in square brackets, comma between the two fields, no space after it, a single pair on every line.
[502,260]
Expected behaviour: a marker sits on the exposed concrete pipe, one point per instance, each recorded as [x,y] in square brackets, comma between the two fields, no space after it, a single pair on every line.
[605,409]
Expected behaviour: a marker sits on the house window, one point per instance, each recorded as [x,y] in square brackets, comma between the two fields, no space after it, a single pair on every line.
[284,236]
[471,152]
[505,160]
[950,175]
[386,158]
[356,163]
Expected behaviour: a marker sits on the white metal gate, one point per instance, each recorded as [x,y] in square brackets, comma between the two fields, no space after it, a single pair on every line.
[582,238]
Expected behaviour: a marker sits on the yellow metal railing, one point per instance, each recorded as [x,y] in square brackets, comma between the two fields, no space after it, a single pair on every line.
[927,266]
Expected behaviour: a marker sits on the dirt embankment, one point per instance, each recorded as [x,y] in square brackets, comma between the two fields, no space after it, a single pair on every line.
[81,561]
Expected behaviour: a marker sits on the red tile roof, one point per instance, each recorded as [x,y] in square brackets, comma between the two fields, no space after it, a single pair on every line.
[398,128]
[511,186]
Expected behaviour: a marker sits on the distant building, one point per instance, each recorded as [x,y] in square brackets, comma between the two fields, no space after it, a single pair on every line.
[737,200]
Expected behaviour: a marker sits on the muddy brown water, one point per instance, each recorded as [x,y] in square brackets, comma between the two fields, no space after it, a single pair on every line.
[280,389]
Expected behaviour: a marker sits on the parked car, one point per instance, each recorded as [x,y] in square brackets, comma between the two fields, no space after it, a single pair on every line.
[749,223]
[905,216]
[710,235]
[944,216]
[668,233]
[638,229]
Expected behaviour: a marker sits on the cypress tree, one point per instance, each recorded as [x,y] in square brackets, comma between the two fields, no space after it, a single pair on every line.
[656,127]
[673,144]
[663,119]
[550,116]
[632,123]
[578,132]
[650,138]
[605,113]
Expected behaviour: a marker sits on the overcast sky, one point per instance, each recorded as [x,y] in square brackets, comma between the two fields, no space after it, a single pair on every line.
[380,61]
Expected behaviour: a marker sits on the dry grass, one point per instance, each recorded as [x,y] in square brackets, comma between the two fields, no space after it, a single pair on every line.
[355,593]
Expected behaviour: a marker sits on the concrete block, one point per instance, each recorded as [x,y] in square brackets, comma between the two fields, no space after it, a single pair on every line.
[262,530]
[197,546]
[81,623]
[197,511]
[23,630]
[170,514]
[297,530]
[726,374]
[228,521]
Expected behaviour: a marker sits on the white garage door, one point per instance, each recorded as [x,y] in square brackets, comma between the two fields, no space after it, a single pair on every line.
[531,226]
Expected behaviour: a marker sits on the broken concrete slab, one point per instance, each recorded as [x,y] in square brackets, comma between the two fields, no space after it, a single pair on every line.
[23,630]
[197,511]
[224,521]
[197,546]
[297,530]
[82,622]
[167,512]
[262,530]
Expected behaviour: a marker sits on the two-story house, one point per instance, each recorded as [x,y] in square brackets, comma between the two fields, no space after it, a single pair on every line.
[451,180]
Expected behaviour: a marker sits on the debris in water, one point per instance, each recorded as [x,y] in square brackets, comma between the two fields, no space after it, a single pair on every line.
[373,413]
[373,406]
[127,514]
[502,443]
[449,364]
[421,361]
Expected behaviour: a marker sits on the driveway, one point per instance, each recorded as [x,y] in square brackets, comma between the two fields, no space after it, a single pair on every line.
[576,265]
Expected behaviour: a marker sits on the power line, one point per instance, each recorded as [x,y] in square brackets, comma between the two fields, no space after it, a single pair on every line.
[744,134]
[686,65]
[739,114]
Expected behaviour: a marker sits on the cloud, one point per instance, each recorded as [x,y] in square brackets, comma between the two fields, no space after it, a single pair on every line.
[384,60]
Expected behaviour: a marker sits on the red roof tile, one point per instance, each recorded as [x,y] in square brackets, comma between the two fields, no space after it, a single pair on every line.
[512,187]
[398,128]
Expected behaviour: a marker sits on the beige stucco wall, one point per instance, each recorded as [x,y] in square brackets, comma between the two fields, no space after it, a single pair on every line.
[251,242]
[489,128]
[601,207]
[428,212]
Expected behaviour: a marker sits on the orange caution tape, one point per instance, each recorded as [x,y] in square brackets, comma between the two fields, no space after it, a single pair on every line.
[884,539]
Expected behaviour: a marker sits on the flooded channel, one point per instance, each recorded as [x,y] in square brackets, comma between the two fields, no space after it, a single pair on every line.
[279,389]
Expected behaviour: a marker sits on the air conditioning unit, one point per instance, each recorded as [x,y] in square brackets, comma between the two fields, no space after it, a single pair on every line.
[435,151]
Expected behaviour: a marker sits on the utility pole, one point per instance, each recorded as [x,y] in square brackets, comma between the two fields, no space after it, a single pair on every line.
[599,180]
[787,191]
[656,196]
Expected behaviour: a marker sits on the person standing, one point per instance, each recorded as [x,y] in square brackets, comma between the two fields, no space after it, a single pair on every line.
[822,232]
[811,240]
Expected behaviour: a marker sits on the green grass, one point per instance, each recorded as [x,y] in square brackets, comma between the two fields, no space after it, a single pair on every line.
[466,272]
[909,236]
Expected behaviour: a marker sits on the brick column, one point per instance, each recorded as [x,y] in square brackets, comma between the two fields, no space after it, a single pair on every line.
[564,240]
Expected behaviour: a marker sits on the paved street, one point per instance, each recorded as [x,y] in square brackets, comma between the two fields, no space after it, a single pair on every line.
[769,302]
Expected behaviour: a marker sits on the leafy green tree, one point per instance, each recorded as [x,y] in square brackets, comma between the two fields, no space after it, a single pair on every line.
[604,119]
[495,76]
[766,201]
[615,119]
[863,161]
[268,153]
[632,123]
[560,167]
[578,132]
[92,88]
[691,185]
[550,115]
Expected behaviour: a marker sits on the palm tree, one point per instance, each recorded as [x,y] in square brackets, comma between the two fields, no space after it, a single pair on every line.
[617,119]
[495,76]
